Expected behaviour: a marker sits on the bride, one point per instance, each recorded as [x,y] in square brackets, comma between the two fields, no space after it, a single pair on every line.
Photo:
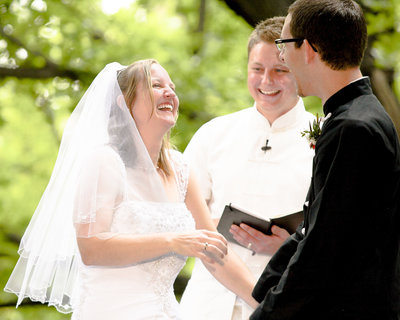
[121,211]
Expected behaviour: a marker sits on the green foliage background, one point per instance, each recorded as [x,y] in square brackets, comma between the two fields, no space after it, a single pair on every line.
[73,40]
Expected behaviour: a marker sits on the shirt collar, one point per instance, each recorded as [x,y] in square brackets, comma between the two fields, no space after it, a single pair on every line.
[353,90]
[285,121]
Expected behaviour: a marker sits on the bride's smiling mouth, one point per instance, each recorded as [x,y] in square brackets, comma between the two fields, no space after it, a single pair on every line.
[165,107]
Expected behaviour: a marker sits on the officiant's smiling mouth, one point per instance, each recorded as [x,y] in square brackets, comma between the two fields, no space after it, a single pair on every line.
[269,93]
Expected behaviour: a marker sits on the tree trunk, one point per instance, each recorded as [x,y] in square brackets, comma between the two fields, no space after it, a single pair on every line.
[254,11]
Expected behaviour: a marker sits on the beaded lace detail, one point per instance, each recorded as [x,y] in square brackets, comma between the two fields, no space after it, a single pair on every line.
[181,170]
[138,217]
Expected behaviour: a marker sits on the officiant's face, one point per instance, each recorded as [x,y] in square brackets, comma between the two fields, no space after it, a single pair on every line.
[269,81]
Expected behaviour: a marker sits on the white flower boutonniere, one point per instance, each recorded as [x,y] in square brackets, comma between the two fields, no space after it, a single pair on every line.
[313,134]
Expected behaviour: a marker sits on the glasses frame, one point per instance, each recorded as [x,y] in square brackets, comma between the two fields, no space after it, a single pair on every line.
[280,43]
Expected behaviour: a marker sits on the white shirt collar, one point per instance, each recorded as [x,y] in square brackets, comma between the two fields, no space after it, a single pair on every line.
[285,121]
[363,77]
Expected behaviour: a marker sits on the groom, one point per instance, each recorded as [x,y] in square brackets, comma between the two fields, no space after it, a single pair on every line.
[344,262]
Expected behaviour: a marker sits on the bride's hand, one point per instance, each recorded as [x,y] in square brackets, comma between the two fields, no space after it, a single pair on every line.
[204,244]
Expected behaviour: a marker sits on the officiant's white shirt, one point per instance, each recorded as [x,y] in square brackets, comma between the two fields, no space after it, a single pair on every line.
[227,159]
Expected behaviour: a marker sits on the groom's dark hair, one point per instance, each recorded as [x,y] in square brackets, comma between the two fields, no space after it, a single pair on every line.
[266,31]
[336,28]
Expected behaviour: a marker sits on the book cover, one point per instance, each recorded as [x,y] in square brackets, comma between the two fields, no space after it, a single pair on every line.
[234,215]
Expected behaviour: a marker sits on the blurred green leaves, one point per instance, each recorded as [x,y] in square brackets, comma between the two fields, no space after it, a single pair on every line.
[50,51]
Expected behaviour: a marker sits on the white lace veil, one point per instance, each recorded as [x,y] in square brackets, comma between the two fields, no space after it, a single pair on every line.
[101,147]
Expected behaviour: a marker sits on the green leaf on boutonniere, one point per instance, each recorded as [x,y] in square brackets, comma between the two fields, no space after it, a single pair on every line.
[313,134]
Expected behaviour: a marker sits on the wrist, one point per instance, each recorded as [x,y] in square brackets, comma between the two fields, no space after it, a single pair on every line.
[170,242]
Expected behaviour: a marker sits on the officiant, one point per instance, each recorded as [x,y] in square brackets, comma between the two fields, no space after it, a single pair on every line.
[256,159]
[344,262]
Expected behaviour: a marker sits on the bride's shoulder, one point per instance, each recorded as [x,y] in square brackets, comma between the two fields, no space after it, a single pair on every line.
[176,157]
[181,169]
[179,161]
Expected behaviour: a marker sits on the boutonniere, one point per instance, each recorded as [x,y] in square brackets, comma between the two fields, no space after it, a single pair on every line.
[313,134]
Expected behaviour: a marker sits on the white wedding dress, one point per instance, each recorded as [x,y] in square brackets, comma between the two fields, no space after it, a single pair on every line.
[143,290]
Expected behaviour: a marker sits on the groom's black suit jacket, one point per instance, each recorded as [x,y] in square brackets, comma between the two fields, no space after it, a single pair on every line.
[344,261]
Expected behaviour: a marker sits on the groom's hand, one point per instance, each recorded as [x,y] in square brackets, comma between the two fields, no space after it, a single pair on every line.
[257,241]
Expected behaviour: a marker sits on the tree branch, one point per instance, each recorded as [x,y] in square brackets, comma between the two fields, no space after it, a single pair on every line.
[26,302]
[49,71]
[383,91]
[21,44]
[202,16]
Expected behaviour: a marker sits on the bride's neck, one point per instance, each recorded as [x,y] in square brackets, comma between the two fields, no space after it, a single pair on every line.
[153,145]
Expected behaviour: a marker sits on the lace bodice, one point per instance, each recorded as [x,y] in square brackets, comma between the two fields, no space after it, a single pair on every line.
[139,217]
[152,217]
[133,287]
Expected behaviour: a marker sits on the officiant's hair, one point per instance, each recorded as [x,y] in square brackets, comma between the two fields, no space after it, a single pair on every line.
[265,31]
[336,28]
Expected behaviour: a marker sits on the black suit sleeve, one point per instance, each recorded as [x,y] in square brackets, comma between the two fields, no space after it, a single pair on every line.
[277,265]
[341,218]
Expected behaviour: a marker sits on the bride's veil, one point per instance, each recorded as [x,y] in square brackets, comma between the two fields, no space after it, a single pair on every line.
[102,160]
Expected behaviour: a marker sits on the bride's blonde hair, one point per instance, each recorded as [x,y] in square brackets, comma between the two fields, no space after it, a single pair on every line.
[128,80]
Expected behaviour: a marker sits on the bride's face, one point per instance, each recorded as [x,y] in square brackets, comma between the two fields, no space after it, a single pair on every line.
[164,112]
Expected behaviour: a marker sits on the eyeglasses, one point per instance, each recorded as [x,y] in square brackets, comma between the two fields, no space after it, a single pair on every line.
[281,43]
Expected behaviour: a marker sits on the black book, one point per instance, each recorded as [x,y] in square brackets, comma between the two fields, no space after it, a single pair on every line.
[235,215]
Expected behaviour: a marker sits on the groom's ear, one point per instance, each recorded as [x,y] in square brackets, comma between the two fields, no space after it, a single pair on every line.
[310,53]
